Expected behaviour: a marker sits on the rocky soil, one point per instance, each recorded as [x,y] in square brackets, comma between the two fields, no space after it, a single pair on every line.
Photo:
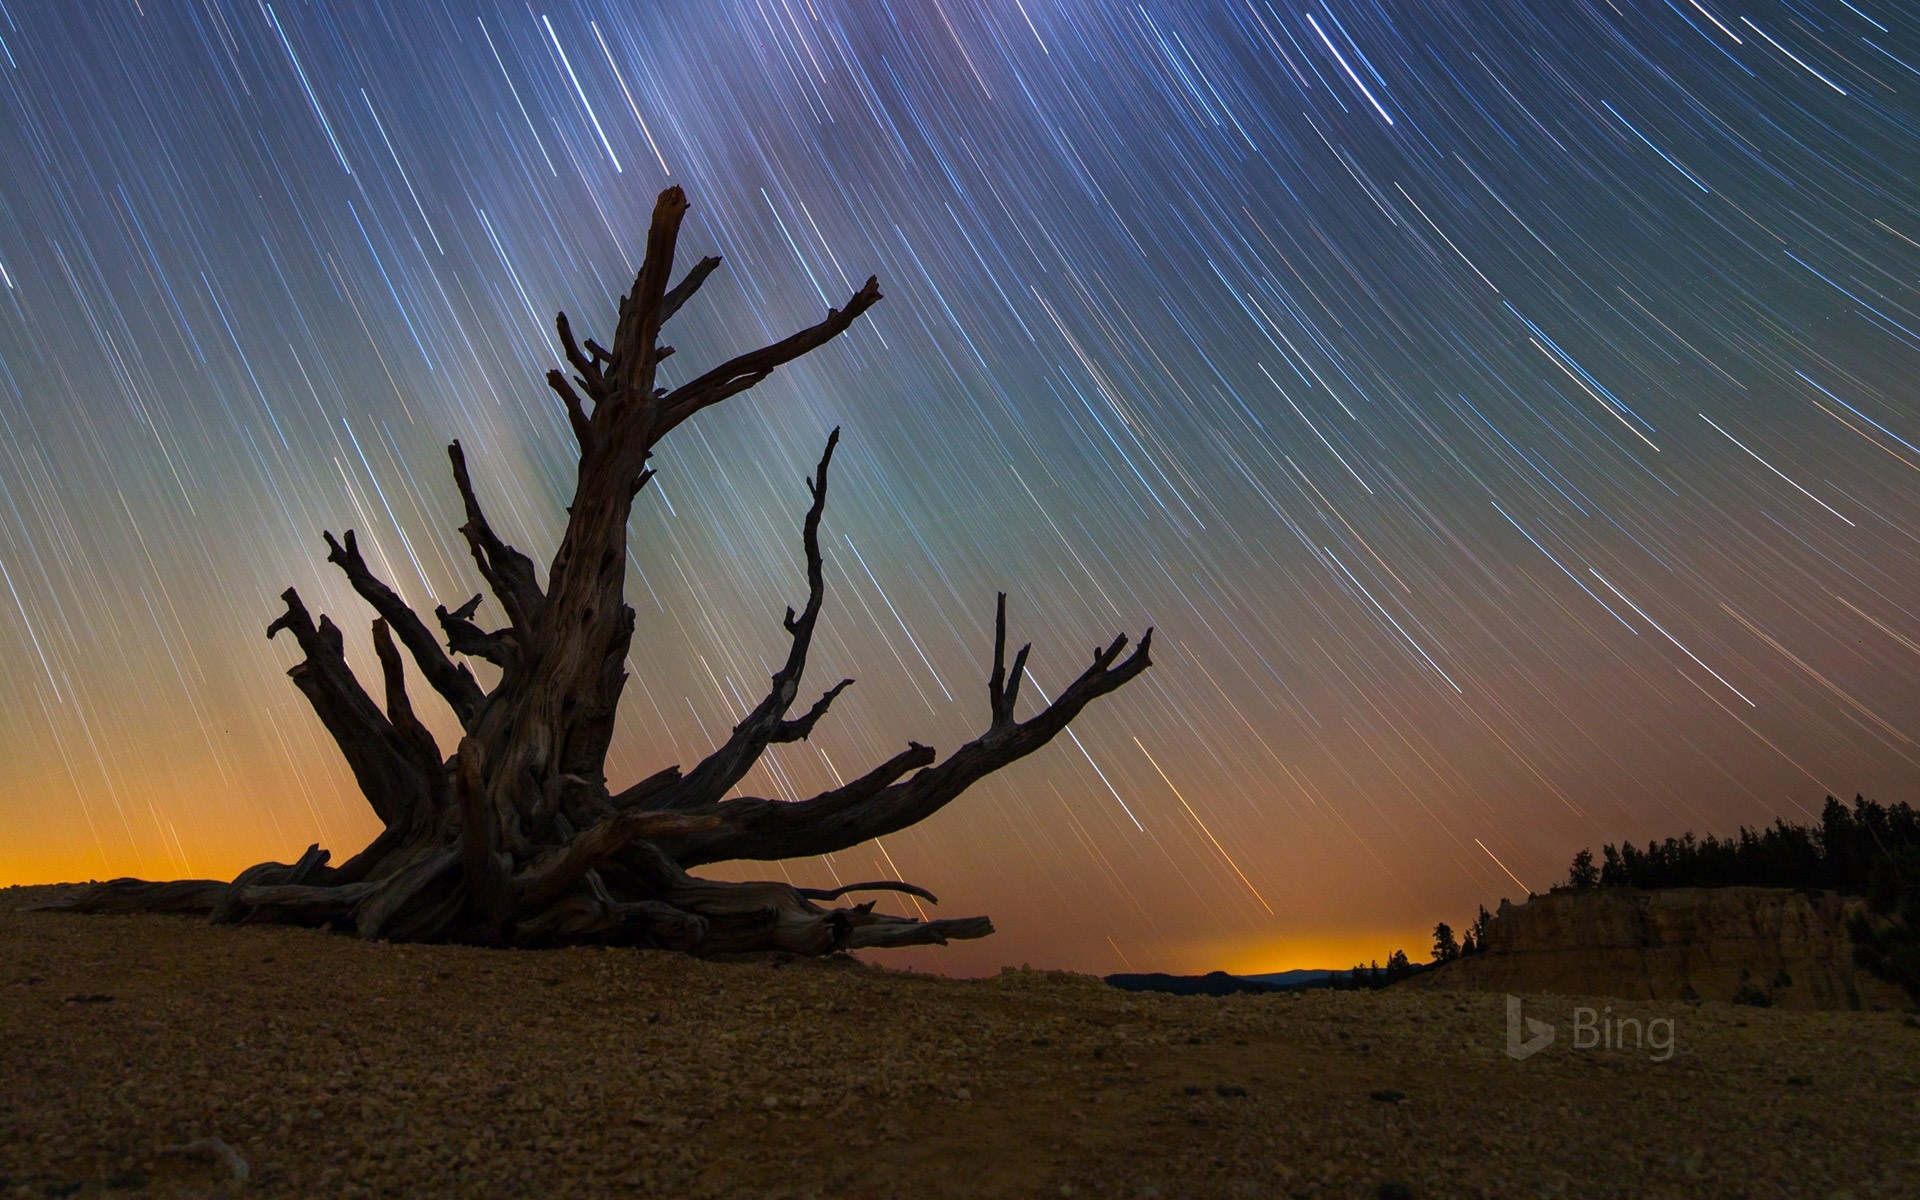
[333,1067]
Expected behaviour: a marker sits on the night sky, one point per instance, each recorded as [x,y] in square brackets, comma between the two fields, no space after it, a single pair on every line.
[1504,412]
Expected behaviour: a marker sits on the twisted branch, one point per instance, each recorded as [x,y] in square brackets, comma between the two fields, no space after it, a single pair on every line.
[876,805]
[464,637]
[384,763]
[743,371]
[509,573]
[767,724]
[453,681]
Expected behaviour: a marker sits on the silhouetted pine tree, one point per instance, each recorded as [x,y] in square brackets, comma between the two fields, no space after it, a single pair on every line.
[1478,932]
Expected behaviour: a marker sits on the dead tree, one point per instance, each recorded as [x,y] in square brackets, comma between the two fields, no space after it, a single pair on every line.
[517,838]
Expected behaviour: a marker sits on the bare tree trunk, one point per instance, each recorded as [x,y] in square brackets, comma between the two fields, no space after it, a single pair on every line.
[517,837]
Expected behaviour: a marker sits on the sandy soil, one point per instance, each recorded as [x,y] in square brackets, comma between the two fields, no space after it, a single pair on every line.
[340,1068]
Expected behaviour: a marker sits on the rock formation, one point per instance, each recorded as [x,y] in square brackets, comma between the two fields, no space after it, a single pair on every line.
[1755,945]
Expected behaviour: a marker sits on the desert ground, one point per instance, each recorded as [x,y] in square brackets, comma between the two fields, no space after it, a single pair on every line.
[335,1067]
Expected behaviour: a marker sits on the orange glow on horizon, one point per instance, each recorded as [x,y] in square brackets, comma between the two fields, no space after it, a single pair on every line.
[1336,951]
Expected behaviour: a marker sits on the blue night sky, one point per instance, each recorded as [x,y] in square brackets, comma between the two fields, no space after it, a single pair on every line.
[1506,414]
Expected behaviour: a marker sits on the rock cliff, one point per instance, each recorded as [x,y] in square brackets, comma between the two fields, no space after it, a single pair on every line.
[1778,946]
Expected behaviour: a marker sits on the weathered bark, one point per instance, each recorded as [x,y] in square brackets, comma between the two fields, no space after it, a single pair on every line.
[516,838]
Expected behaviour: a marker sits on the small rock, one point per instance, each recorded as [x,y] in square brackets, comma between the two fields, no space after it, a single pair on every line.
[1231,1091]
[215,1151]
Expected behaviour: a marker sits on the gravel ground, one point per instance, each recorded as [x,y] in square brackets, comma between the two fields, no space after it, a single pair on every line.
[334,1067]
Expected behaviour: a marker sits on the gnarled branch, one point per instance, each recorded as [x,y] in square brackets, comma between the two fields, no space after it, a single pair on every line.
[576,411]
[878,885]
[683,291]
[767,724]
[766,915]
[507,571]
[874,805]
[738,374]
[222,901]
[454,682]
[385,763]
[399,709]
[877,931]
[464,637]
[635,352]
[551,874]
[1003,692]
[588,365]
[646,789]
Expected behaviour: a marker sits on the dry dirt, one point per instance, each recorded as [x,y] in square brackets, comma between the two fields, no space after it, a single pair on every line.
[341,1068]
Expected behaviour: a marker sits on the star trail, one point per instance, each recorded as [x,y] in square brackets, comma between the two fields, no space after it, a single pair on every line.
[1505,413]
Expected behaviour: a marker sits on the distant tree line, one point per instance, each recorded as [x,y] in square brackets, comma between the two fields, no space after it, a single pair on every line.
[1871,850]
[1845,852]
[1369,975]
[1446,948]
